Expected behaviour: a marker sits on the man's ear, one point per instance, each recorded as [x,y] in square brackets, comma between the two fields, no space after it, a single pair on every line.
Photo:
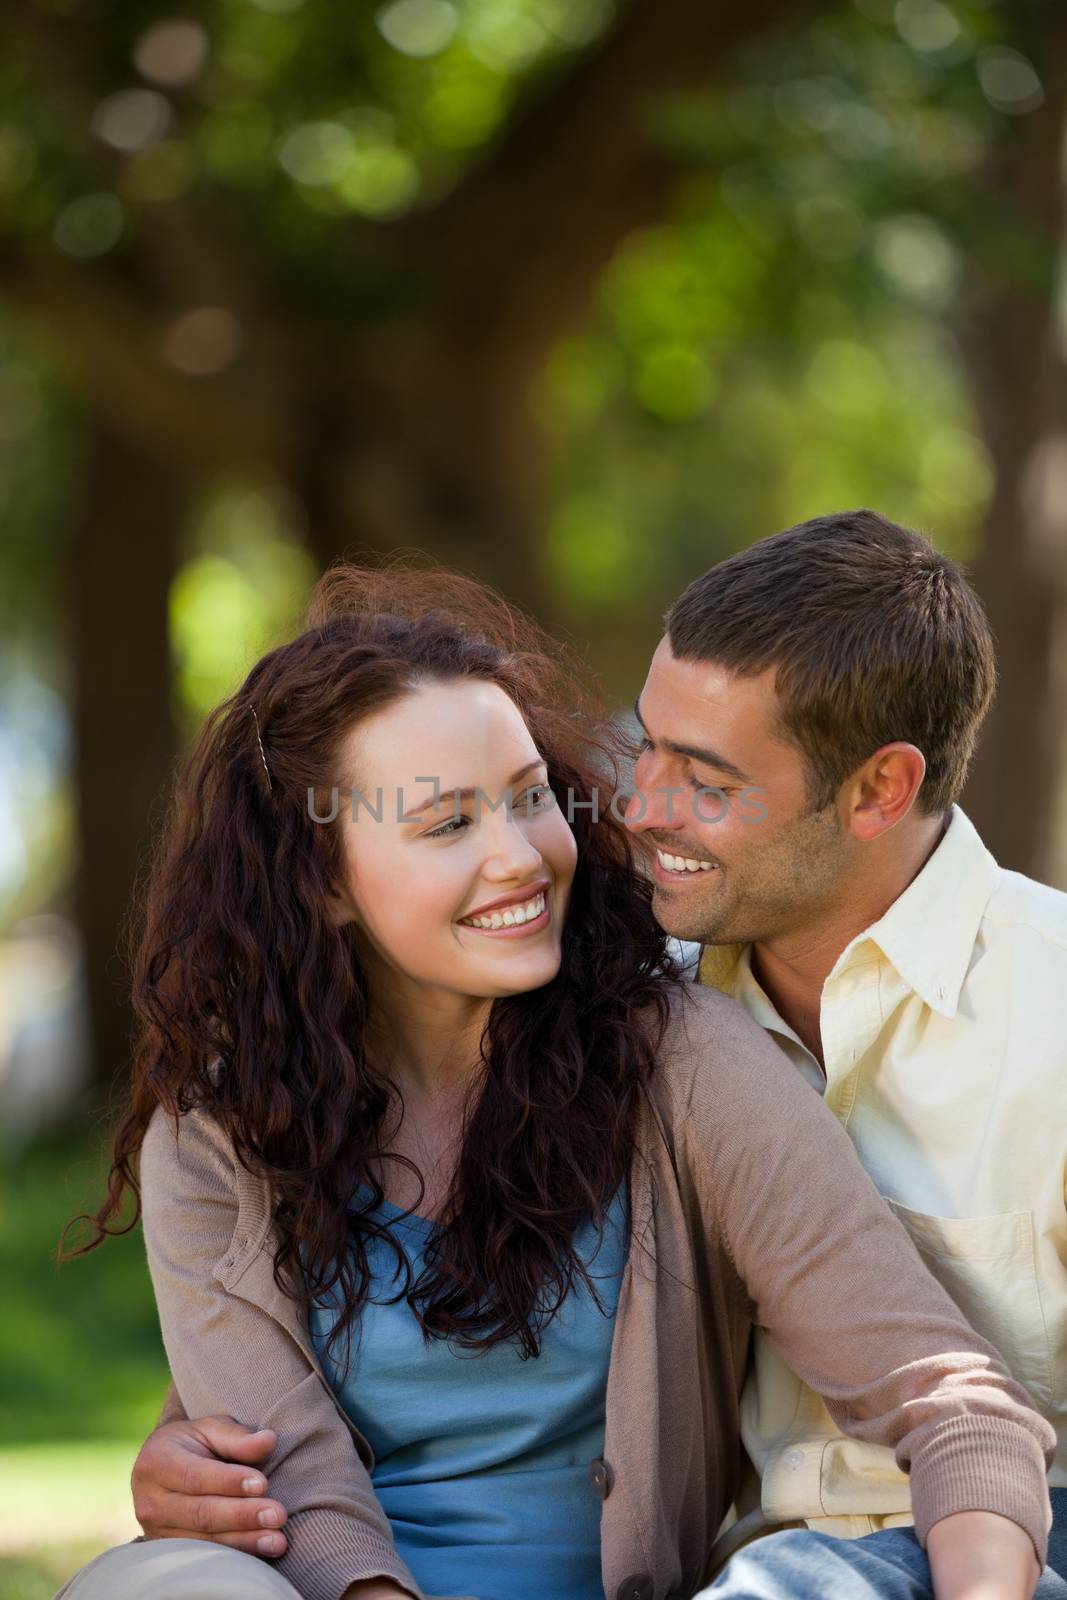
[882,792]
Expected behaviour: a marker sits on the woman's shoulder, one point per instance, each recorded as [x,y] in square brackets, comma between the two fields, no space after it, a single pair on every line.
[705,1029]
[716,1059]
[191,1149]
[197,1198]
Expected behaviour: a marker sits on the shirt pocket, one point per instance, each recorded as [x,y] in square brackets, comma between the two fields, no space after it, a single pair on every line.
[989,1267]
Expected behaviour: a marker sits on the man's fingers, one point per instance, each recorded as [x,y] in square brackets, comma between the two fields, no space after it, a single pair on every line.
[210,1515]
[269,1545]
[186,1473]
[266,1544]
[234,1442]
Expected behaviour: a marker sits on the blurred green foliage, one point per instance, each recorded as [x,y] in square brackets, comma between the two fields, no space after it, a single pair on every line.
[80,1351]
[240,591]
[82,1371]
[786,342]
[783,343]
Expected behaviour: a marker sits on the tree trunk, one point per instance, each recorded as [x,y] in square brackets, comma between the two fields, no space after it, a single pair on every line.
[1020,387]
[413,443]
[412,428]
[122,559]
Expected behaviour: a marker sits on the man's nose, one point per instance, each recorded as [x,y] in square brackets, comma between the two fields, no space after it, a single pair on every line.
[654,803]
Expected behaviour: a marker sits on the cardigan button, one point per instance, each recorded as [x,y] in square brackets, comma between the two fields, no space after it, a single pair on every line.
[601,1477]
[639,1587]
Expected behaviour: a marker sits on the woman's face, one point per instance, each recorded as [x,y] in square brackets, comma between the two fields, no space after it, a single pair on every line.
[464,895]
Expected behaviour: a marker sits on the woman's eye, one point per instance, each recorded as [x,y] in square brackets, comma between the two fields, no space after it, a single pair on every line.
[536,799]
[542,793]
[442,832]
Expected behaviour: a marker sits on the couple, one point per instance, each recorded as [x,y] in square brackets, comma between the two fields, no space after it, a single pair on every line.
[487,1234]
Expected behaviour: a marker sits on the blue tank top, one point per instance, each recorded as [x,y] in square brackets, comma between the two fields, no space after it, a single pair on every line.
[482,1458]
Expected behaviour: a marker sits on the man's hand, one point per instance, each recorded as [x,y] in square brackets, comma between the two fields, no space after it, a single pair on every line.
[192,1481]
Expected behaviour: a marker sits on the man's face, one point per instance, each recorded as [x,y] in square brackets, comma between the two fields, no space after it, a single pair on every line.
[768,864]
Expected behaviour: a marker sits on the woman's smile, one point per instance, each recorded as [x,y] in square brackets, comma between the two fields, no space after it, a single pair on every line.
[512,920]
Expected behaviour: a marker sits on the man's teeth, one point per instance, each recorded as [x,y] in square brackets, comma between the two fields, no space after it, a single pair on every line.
[682,863]
[511,917]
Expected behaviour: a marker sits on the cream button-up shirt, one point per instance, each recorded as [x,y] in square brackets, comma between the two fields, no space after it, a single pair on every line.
[944,1029]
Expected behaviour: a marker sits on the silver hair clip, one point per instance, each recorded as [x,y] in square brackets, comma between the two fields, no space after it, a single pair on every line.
[262,755]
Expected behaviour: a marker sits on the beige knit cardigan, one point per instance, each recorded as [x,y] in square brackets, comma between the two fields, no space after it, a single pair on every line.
[749,1206]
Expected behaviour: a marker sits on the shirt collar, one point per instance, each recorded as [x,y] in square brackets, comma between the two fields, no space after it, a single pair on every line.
[928,933]
[719,965]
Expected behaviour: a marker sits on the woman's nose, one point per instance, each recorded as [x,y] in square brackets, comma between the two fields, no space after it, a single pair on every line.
[514,856]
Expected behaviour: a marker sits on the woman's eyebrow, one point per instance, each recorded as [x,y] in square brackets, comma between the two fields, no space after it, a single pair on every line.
[467,794]
[710,758]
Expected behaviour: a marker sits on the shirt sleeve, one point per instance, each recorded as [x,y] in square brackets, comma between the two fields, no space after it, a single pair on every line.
[840,1289]
[229,1356]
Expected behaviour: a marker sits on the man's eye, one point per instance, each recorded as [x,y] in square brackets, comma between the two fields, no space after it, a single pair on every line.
[644,744]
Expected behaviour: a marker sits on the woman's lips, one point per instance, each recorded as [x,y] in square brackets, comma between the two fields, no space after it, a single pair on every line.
[518,931]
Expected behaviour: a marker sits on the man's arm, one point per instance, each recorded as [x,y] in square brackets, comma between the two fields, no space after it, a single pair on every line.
[842,1293]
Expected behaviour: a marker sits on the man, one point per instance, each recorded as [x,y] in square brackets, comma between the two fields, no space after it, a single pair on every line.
[842,670]
[809,718]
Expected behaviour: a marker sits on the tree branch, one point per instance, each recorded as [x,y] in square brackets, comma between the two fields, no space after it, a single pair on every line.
[198,425]
[518,245]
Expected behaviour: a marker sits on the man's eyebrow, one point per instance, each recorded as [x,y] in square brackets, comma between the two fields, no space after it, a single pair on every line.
[452,795]
[709,758]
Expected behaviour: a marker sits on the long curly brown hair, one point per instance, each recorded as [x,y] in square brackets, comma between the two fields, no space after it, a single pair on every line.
[252,1004]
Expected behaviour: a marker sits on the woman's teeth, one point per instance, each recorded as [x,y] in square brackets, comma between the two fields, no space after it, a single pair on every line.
[682,863]
[511,917]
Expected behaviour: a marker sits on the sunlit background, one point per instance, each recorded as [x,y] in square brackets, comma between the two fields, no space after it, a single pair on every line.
[577,296]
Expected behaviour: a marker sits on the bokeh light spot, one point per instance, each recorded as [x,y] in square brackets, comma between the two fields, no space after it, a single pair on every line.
[203,342]
[132,119]
[926,24]
[673,382]
[317,153]
[172,52]
[89,226]
[1009,81]
[916,257]
[418,27]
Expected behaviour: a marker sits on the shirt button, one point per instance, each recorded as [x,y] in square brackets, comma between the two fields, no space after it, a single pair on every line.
[794,1459]
[639,1587]
[600,1476]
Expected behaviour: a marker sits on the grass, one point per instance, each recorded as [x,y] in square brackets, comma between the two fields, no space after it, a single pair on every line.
[37,1576]
[82,1373]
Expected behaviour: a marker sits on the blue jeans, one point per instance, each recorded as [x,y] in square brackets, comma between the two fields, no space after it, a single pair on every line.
[800,1564]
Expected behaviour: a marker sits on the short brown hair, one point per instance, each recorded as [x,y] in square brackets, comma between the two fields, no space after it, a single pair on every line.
[876,636]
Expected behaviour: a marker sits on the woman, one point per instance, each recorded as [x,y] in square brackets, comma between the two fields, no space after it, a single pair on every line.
[450,1181]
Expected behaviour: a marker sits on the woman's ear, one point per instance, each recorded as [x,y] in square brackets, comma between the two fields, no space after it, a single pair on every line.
[339,910]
